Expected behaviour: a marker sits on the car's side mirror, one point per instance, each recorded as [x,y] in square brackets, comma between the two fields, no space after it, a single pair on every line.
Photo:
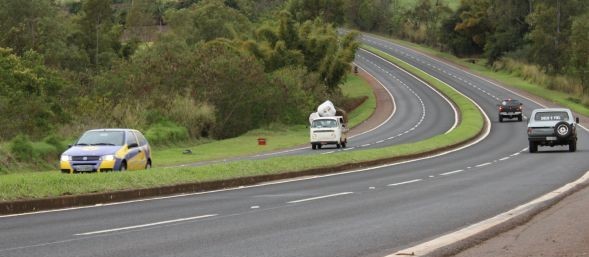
[577,119]
[133,145]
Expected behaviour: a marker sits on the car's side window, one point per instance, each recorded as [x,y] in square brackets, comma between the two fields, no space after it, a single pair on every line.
[131,138]
[142,140]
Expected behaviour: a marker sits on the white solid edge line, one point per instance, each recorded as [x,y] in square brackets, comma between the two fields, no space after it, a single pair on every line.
[145,225]
[445,62]
[456,121]
[453,237]
[430,246]
[482,137]
[403,183]
[320,197]
[392,99]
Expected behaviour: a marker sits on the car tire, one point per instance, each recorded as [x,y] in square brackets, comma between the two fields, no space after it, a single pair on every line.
[148,165]
[123,166]
[318,146]
[562,130]
[533,147]
[520,118]
[573,146]
[313,146]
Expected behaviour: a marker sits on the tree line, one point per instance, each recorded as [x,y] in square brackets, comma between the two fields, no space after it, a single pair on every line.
[216,68]
[550,36]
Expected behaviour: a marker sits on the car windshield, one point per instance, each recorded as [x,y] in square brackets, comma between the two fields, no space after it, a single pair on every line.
[102,138]
[551,116]
[324,124]
[510,103]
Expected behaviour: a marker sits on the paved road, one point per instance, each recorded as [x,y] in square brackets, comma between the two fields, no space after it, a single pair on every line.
[420,112]
[365,213]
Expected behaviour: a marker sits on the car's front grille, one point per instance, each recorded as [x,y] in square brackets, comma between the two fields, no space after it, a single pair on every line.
[85,158]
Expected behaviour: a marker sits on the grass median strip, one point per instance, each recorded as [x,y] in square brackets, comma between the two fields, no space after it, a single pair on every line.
[48,184]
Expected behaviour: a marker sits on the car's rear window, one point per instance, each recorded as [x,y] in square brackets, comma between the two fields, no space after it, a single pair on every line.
[510,102]
[102,138]
[551,116]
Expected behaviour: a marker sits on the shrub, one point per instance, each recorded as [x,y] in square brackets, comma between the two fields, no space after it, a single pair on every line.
[197,117]
[21,148]
[165,133]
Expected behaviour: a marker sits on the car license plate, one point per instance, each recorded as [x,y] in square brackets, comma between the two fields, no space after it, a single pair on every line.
[551,138]
[84,168]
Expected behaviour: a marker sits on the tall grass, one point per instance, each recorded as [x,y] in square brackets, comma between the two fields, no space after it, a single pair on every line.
[534,74]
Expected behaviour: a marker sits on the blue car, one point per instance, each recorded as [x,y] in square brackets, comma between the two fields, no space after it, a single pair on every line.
[102,150]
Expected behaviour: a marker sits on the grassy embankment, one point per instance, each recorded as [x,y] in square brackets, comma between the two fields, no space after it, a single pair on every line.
[277,137]
[37,185]
[505,78]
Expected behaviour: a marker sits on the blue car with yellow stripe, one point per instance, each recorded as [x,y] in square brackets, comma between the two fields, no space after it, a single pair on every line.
[101,150]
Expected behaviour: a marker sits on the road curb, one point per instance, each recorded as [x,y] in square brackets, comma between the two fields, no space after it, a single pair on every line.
[62,202]
[505,222]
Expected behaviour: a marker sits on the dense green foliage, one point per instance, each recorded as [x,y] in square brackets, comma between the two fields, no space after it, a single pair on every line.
[47,184]
[548,36]
[210,68]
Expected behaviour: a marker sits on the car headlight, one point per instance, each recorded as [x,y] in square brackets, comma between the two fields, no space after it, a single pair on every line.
[109,157]
[65,158]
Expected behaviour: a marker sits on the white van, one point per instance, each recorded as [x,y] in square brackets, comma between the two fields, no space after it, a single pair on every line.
[329,131]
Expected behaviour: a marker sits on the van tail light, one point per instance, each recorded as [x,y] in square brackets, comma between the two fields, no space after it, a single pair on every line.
[529,131]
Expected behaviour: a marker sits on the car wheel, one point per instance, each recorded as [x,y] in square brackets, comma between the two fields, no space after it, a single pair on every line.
[520,118]
[123,166]
[313,146]
[573,146]
[562,130]
[318,146]
[533,147]
[148,165]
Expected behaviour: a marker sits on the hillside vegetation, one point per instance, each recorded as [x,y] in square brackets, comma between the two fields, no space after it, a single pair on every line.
[177,70]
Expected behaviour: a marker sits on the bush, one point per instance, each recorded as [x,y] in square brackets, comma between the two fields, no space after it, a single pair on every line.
[197,117]
[21,148]
[165,133]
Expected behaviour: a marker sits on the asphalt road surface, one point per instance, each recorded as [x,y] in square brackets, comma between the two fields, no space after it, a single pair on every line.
[362,213]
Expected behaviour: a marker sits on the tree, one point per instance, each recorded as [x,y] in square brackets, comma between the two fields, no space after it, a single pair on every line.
[98,36]
[579,50]
[328,10]
[550,32]
[509,28]
[208,20]
[31,96]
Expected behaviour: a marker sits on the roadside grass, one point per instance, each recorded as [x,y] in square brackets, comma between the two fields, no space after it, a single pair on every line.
[277,136]
[47,184]
[505,78]
[352,88]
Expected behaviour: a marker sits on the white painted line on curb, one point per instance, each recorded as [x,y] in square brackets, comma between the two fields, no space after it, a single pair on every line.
[145,225]
[406,182]
[504,158]
[320,197]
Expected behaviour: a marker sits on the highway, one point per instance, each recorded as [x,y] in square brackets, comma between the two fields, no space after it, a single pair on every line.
[371,212]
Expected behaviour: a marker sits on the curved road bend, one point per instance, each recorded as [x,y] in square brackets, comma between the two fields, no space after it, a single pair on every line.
[420,113]
[368,213]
